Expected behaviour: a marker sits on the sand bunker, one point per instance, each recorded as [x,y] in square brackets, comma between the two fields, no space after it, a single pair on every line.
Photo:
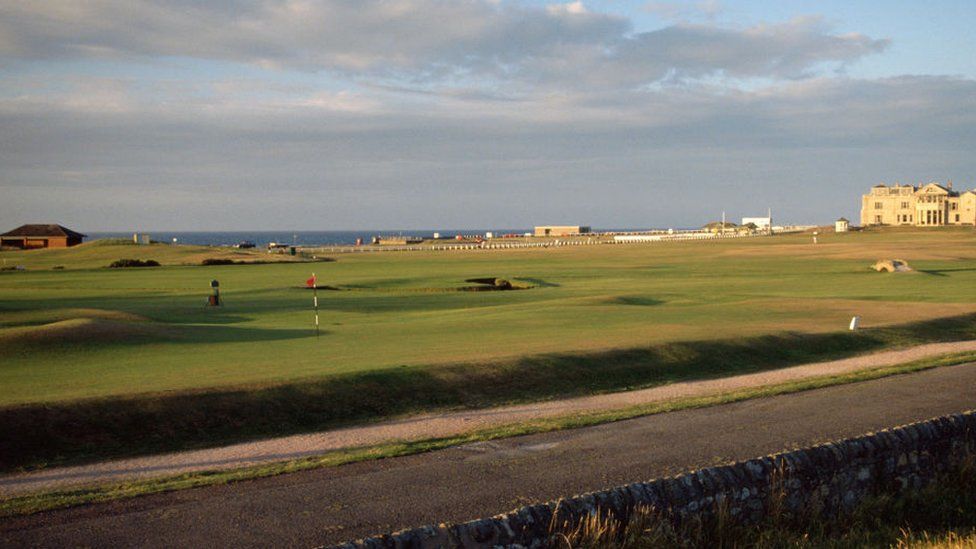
[489,284]
[892,266]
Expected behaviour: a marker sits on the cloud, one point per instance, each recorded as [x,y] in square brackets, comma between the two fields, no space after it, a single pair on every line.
[430,41]
[684,11]
[806,148]
[571,8]
[348,35]
[433,112]
[793,49]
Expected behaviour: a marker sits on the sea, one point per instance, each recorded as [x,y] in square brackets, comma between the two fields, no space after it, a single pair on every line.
[299,238]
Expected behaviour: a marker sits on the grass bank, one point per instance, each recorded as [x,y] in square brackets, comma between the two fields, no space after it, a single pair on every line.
[38,435]
[38,502]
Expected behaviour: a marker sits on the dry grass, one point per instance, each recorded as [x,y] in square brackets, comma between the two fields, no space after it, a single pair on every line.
[948,540]
[942,514]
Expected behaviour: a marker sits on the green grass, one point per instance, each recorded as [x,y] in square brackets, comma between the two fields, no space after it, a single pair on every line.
[38,502]
[88,354]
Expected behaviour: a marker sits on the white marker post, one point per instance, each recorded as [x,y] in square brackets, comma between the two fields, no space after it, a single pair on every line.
[855,321]
[315,301]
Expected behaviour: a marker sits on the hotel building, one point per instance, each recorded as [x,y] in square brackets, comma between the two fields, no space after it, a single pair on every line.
[921,206]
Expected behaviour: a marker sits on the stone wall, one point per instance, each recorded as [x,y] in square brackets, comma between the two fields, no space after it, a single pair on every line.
[837,475]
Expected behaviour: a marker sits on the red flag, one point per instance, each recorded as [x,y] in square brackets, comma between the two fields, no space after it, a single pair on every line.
[310,282]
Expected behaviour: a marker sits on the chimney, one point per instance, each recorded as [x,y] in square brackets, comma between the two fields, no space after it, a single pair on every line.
[949,184]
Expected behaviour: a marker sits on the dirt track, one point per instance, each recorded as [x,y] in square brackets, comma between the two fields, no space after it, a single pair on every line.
[435,425]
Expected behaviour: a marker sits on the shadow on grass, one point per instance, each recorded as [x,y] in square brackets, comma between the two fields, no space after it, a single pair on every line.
[538,282]
[35,435]
[637,300]
[942,272]
[232,334]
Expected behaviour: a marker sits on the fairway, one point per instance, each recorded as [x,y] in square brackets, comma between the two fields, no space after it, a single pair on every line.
[94,332]
[101,362]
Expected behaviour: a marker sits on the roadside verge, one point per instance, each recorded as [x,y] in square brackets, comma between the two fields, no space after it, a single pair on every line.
[24,502]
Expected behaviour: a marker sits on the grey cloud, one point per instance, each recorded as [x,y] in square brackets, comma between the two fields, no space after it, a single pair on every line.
[803,148]
[780,50]
[349,35]
[421,40]
[792,50]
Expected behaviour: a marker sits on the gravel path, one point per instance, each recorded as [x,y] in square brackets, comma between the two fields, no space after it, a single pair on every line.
[435,425]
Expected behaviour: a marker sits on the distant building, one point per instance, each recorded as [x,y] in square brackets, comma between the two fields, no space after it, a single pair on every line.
[561,230]
[720,227]
[397,240]
[760,222]
[30,237]
[920,206]
[841,225]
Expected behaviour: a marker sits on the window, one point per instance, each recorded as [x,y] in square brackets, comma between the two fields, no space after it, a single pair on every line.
[954,206]
[904,205]
[877,219]
[878,205]
[957,218]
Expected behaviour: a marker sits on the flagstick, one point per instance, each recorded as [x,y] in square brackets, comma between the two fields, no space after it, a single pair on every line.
[315,299]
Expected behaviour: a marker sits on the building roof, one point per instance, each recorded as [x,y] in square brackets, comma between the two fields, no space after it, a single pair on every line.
[43,231]
[936,185]
[844,219]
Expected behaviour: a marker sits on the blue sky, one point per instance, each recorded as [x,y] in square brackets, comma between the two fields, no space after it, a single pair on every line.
[342,114]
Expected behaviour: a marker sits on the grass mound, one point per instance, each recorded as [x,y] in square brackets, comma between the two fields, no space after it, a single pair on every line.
[47,316]
[75,331]
[102,242]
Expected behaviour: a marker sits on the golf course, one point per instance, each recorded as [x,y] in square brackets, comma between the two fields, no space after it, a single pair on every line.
[99,362]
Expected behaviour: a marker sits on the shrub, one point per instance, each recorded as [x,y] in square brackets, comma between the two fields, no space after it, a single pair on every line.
[126,263]
[218,261]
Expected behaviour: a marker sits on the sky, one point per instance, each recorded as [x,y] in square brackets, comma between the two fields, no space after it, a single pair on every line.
[121,115]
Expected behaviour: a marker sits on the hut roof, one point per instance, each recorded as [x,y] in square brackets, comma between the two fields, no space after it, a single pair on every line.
[40,230]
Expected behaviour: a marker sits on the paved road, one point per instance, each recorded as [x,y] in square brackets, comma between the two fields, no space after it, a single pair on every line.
[437,425]
[331,505]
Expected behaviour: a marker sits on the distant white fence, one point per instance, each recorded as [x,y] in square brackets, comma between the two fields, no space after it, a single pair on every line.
[500,244]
